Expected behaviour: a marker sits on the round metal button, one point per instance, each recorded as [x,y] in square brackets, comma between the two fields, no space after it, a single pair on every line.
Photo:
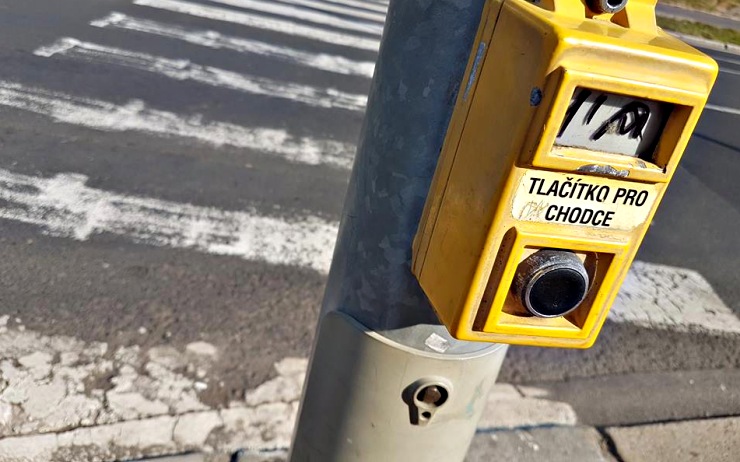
[551,283]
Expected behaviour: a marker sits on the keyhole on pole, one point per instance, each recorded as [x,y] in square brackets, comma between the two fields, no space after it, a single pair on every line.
[424,398]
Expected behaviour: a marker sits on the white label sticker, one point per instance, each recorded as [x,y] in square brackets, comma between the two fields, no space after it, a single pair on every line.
[613,123]
[579,200]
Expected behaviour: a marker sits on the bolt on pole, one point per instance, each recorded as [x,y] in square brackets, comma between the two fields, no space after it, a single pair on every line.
[386,381]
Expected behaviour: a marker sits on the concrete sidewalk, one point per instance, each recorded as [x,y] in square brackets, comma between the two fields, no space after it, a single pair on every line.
[714,440]
[671,417]
[656,416]
[706,440]
[65,400]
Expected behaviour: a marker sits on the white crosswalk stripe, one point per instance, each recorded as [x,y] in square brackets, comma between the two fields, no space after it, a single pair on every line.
[380,7]
[214,39]
[730,71]
[136,116]
[726,60]
[263,22]
[305,15]
[183,69]
[725,109]
[343,10]
[65,206]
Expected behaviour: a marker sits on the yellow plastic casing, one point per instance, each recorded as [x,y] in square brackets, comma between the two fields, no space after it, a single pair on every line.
[481,218]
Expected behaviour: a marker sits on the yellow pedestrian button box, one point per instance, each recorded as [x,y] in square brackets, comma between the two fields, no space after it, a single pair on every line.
[569,124]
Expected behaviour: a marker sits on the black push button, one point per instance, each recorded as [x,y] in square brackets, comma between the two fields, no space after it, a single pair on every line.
[551,283]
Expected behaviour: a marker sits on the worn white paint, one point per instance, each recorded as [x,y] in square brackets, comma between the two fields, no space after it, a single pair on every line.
[725,109]
[380,8]
[213,39]
[183,69]
[64,206]
[666,297]
[729,71]
[726,60]
[136,116]
[343,10]
[307,15]
[264,22]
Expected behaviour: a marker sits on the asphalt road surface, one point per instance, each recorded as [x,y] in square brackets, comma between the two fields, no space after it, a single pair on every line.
[172,171]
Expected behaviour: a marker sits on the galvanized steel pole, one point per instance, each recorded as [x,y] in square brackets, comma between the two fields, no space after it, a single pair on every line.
[386,381]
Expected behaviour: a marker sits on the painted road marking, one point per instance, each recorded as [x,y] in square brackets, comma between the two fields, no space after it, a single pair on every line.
[136,116]
[64,206]
[263,22]
[726,110]
[343,10]
[183,69]
[380,8]
[306,15]
[667,297]
[655,296]
[729,71]
[726,60]
[216,40]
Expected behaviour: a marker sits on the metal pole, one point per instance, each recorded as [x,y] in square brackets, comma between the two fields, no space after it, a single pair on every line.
[386,381]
